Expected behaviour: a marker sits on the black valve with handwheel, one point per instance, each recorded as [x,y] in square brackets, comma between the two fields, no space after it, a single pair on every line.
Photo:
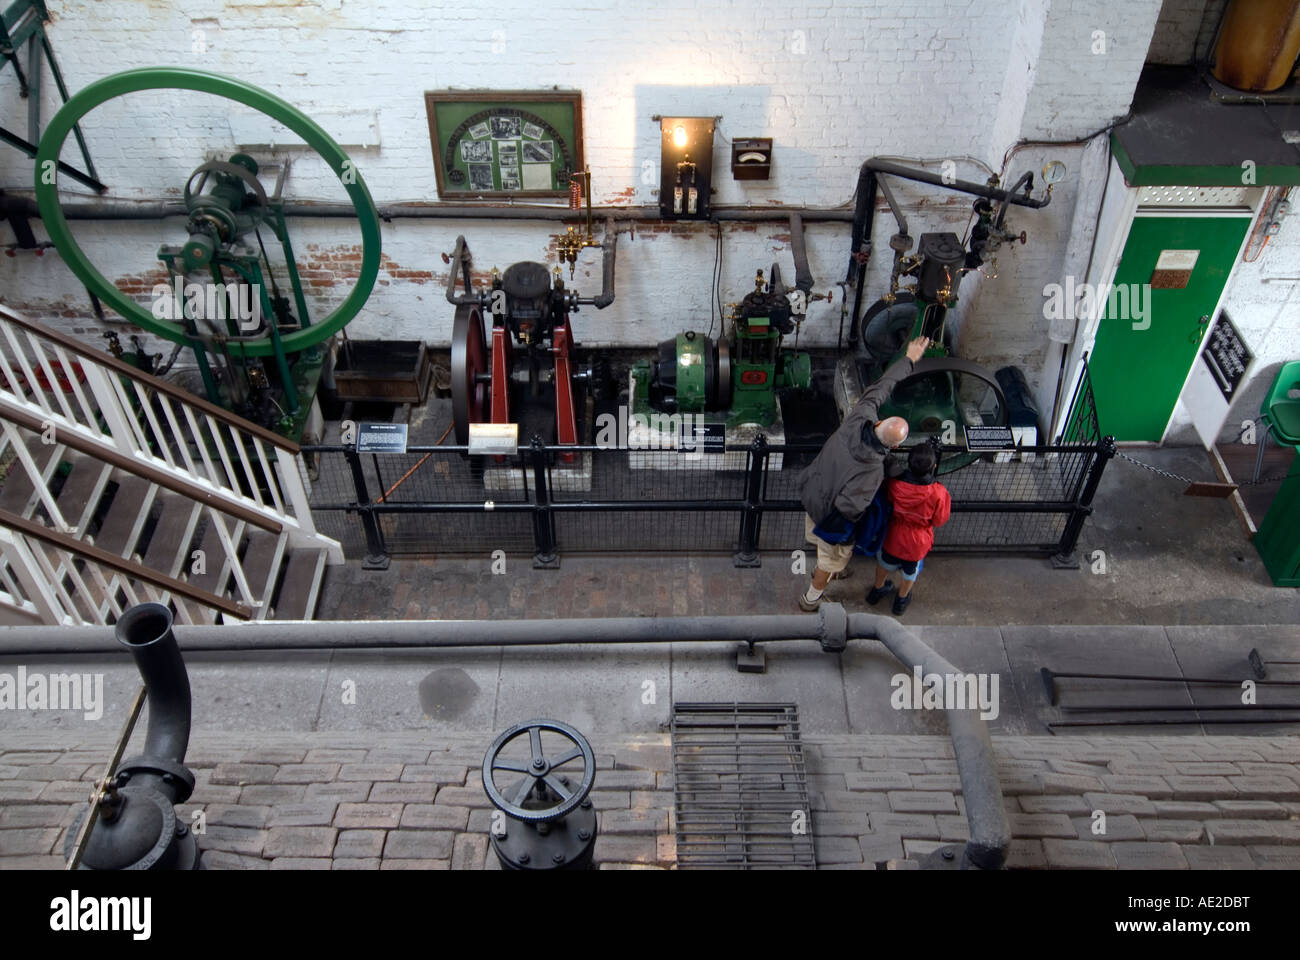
[545,820]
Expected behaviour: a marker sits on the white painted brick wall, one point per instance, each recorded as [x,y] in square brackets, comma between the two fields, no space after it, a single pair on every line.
[1179,28]
[832,83]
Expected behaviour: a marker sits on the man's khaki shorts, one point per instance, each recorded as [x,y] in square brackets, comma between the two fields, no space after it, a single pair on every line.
[831,557]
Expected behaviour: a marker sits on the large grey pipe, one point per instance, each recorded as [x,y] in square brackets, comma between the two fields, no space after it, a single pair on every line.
[990,830]
[146,630]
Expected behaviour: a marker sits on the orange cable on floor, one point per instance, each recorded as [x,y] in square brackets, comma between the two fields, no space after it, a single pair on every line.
[389,492]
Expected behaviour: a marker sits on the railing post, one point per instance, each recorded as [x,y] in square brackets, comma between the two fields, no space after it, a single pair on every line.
[376,550]
[1065,559]
[545,557]
[751,516]
[291,469]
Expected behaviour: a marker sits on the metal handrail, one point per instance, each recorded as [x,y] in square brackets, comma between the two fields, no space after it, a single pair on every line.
[154,383]
[129,568]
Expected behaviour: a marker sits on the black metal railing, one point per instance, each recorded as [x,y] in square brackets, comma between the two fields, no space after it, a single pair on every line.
[586,499]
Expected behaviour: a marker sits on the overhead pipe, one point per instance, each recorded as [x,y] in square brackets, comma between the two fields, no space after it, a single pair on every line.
[159,210]
[865,210]
[137,827]
[831,627]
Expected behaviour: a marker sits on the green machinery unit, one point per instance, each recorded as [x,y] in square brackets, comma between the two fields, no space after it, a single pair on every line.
[944,393]
[256,349]
[740,373]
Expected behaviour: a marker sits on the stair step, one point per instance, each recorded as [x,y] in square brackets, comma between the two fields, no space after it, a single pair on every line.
[261,561]
[126,515]
[169,545]
[17,490]
[82,489]
[301,587]
[215,573]
[18,487]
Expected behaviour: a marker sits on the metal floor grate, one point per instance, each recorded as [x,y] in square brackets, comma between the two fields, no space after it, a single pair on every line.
[740,787]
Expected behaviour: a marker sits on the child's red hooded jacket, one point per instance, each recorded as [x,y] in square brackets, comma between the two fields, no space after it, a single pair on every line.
[919,507]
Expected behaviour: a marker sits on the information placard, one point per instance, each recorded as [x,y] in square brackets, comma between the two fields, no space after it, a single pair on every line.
[381,438]
[700,438]
[980,438]
[1227,356]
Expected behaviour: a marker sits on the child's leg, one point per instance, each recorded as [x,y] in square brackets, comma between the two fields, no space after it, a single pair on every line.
[881,574]
[909,579]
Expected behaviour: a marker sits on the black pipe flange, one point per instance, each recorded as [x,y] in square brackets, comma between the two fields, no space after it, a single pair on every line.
[143,833]
[554,821]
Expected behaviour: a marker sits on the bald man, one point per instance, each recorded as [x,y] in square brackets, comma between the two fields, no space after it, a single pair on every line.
[838,486]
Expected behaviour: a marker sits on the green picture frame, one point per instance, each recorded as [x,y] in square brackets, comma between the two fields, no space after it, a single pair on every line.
[504,144]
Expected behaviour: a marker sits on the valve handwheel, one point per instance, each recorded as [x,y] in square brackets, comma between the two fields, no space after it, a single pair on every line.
[538,769]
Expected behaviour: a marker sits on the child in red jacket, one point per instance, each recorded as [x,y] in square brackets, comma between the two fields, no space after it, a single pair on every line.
[920,503]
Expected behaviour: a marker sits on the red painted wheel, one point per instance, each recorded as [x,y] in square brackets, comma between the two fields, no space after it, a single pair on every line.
[469,371]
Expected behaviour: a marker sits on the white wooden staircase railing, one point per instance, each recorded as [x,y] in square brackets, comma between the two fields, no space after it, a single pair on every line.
[117,487]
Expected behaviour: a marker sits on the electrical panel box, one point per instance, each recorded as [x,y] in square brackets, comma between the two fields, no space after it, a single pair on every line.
[686,168]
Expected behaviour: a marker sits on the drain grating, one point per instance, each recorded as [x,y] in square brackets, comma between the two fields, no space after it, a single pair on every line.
[740,787]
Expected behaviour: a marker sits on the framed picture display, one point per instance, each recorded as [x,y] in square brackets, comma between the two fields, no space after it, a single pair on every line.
[493,144]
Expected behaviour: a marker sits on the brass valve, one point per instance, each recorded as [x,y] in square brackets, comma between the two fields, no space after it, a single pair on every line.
[573,243]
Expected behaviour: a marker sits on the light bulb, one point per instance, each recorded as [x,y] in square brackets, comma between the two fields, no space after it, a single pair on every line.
[679,136]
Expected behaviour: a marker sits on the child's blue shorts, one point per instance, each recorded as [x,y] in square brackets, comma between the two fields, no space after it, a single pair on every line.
[909,568]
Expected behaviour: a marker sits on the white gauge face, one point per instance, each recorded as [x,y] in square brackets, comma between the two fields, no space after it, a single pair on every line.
[1053,172]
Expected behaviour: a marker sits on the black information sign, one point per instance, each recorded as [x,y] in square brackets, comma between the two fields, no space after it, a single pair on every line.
[1227,356]
[381,438]
[989,438]
[703,437]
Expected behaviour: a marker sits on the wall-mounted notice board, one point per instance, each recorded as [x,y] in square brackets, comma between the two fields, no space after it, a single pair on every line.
[490,144]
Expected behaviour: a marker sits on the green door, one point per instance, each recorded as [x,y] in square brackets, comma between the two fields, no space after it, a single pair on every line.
[1170,277]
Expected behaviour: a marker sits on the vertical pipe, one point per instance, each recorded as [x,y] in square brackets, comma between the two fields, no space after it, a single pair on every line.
[146,630]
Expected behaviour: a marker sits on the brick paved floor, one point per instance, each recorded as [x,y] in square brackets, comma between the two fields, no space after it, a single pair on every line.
[415,801]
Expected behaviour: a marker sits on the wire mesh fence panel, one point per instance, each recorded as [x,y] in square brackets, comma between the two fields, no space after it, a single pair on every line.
[784,529]
[644,485]
[441,501]
[1027,478]
[413,486]
[981,531]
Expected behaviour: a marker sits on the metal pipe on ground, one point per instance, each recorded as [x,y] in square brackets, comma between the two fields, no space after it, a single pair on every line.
[1051,727]
[831,627]
[1051,676]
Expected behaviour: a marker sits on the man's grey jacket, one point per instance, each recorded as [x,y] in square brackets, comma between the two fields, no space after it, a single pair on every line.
[838,486]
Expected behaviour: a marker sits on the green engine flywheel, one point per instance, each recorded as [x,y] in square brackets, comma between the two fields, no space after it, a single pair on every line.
[183,78]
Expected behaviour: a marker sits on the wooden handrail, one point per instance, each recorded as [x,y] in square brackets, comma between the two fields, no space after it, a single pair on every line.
[127,567]
[162,386]
[186,488]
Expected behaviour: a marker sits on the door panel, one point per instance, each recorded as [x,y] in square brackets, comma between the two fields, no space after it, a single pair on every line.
[1139,364]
